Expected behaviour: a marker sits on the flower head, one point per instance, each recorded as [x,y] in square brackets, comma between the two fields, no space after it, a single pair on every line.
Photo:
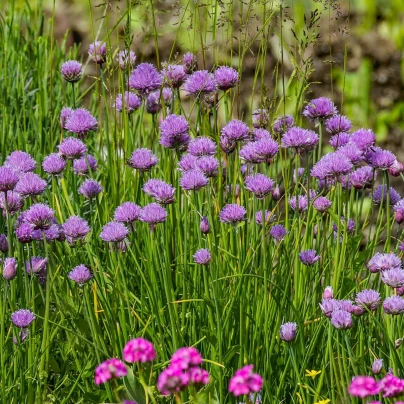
[232,214]
[363,386]
[245,381]
[204,225]
[236,130]
[153,214]
[383,261]
[288,332]
[145,79]
[114,232]
[174,132]
[139,350]
[190,63]
[30,184]
[300,139]
[330,166]
[340,139]
[64,116]
[192,180]
[278,232]
[362,177]
[128,103]
[142,160]
[8,179]
[341,319]
[162,192]
[12,203]
[84,165]
[126,59]
[187,162]
[3,243]
[309,257]
[175,75]
[260,185]
[39,216]
[21,162]
[393,277]
[81,122]
[391,386]
[202,257]
[368,298]
[363,139]
[172,380]
[80,274]
[377,366]
[72,148]
[283,123]
[328,293]
[269,217]
[153,104]
[127,213]
[98,52]
[338,124]
[53,164]
[249,153]
[351,152]
[71,71]
[320,108]
[200,82]
[9,268]
[260,118]
[226,77]
[380,195]
[22,318]
[202,146]
[75,229]
[110,369]
[380,159]
[90,188]
[321,204]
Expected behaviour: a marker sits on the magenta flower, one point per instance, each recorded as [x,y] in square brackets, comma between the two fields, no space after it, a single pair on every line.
[162,192]
[232,214]
[299,139]
[204,225]
[199,83]
[126,59]
[109,369]
[245,381]
[98,52]
[288,332]
[394,305]
[202,257]
[362,177]
[30,184]
[338,124]
[71,71]
[321,204]
[351,152]
[187,162]
[139,350]
[72,148]
[331,165]
[198,375]
[226,77]
[396,169]
[259,134]
[266,148]
[328,293]
[75,229]
[142,160]
[377,366]
[20,162]
[363,386]
[145,79]
[9,268]
[80,274]
[24,233]
[186,357]
[259,184]
[202,146]
[53,164]
[193,180]
[128,103]
[320,108]
[22,318]
[174,132]
[236,130]
[391,386]
[172,380]
[340,139]
[250,153]
[90,188]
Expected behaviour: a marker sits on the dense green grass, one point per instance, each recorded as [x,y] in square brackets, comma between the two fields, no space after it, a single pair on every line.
[230,310]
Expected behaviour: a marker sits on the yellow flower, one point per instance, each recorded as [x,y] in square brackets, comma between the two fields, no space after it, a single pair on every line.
[313,374]
[323,401]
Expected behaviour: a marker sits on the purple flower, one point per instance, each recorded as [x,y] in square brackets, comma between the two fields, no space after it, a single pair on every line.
[198,375]
[321,204]
[84,165]
[9,268]
[153,105]
[80,274]
[20,162]
[396,169]
[269,217]
[393,277]
[399,211]
[199,83]
[30,184]
[288,332]
[22,336]
[175,75]
[266,148]
[186,357]
[298,203]
[363,139]
[187,162]
[394,305]
[162,192]
[174,131]
[245,381]
[24,233]
[338,124]
[167,94]
[380,195]
[328,293]
[64,116]
[351,152]
[260,118]
[3,243]
[208,165]
[12,204]
[232,214]
[126,59]
[378,158]
[53,164]
[368,298]
[283,123]
[350,227]
[202,257]
[114,232]
[192,180]
[172,380]
[127,213]
[341,319]
[51,234]
[340,139]
[260,133]
[391,386]
[320,108]
[259,184]
[39,216]
[22,318]
[129,103]
[153,214]
[299,139]
[236,130]
[363,386]
[329,305]
[202,146]
[75,229]
[227,144]
[139,350]
[81,122]
[8,179]
[362,177]
[142,160]
[331,165]
[109,369]
[90,188]
[190,63]
[309,257]
[71,71]
[383,261]
[377,366]
[98,52]
[249,153]
[226,77]
[72,148]
[278,232]
[145,79]
[204,225]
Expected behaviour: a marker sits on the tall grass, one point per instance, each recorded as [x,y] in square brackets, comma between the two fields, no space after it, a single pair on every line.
[230,310]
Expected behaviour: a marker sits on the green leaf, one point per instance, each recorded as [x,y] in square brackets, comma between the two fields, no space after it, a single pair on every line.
[134,389]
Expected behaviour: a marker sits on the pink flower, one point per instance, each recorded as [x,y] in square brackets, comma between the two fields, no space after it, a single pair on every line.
[198,375]
[391,386]
[172,380]
[139,350]
[109,369]
[363,386]
[186,358]
[245,381]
